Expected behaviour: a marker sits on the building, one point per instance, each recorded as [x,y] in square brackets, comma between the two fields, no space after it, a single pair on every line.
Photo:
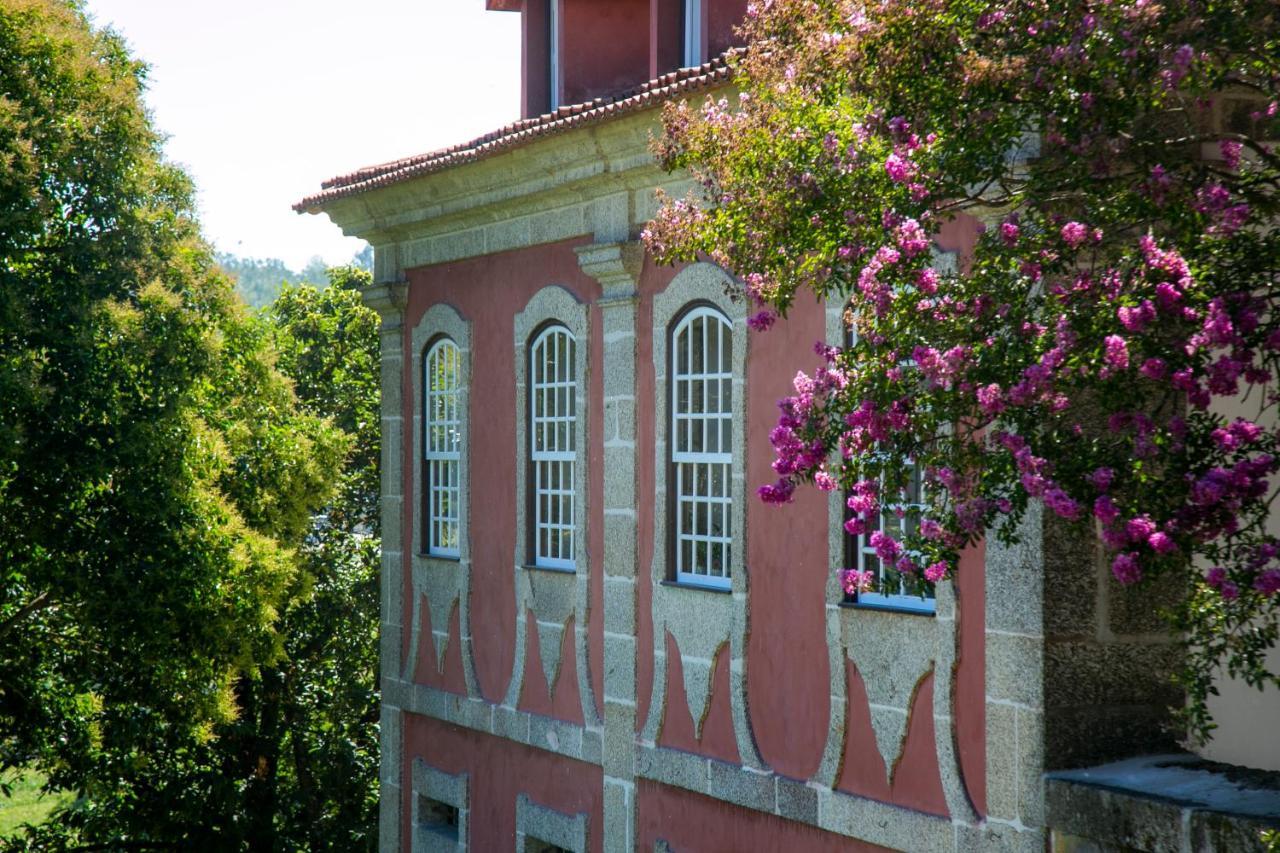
[594,637]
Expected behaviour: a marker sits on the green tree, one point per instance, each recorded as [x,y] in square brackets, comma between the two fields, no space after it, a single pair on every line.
[156,471]
[305,747]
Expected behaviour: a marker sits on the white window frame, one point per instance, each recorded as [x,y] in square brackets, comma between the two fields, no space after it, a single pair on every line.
[689,428]
[860,545]
[864,554]
[553,416]
[555,69]
[442,481]
[693,33]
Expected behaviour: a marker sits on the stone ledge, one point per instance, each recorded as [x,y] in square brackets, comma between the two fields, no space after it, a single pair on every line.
[790,799]
[1161,803]
[546,733]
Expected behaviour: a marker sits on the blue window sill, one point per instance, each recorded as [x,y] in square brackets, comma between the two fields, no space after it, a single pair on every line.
[905,604]
[703,587]
[559,570]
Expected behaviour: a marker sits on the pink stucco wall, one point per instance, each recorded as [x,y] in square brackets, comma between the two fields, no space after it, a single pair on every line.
[788,678]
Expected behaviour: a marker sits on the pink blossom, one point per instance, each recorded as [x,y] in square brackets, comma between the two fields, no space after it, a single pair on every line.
[762,321]
[1101,478]
[1161,543]
[899,169]
[911,238]
[887,548]
[991,399]
[1268,583]
[1139,529]
[1125,568]
[935,572]
[1074,234]
[1230,153]
[853,581]
[1061,504]
[824,481]
[927,280]
[777,493]
[1154,369]
[1117,352]
[1136,319]
[1105,510]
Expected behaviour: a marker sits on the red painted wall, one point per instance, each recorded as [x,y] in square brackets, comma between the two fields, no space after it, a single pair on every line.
[788,674]
[535,46]
[723,17]
[692,823]
[604,48]
[489,291]
[500,771]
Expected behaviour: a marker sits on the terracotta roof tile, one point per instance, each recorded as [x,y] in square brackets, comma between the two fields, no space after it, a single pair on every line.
[517,133]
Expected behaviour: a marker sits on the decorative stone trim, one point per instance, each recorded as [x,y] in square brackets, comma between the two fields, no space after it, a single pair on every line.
[388,299]
[617,267]
[534,821]
[504,721]
[802,802]
[430,783]
[597,179]
[892,651]
[554,596]
[701,621]
[445,582]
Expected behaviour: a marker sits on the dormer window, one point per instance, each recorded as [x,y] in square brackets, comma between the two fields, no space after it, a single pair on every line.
[693,33]
[553,52]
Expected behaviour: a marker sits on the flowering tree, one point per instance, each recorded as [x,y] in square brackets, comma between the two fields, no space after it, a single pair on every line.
[1121,296]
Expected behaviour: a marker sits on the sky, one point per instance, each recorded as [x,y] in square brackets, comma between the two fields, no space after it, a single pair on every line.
[264,99]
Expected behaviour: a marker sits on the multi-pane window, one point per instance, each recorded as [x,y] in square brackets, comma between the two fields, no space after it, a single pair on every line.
[442,448]
[899,518]
[692,33]
[553,413]
[701,444]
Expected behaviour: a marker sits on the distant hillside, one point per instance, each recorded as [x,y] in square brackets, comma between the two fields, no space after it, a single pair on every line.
[259,280]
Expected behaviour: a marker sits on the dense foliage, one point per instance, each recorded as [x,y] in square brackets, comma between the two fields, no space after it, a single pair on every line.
[1111,347]
[187,569]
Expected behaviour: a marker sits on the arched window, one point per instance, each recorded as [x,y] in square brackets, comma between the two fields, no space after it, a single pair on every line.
[442,448]
[701,447]
[553,413]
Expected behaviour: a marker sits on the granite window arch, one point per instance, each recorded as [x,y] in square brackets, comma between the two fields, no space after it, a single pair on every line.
[704,620]
[441,380]
[700,442]
[553,317]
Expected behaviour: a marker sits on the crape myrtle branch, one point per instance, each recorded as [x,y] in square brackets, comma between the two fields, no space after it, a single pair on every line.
[1118,303]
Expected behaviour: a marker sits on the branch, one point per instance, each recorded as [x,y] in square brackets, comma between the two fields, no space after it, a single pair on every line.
[40,602]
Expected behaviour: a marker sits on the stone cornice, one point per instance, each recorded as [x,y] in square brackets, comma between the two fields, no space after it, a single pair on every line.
[597,180]
[388,298]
